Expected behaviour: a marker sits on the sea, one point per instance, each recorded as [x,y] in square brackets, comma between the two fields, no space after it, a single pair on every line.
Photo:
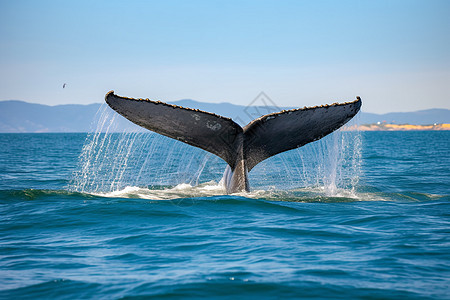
[135,215]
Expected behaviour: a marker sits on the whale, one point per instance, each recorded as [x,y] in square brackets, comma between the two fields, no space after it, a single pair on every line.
[242,148]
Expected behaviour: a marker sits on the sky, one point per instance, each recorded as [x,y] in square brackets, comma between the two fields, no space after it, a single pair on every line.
[394,54]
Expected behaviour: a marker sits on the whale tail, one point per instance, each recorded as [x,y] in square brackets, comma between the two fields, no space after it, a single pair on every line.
[241,148]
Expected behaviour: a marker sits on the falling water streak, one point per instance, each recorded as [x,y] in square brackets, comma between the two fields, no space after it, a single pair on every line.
[334,158]
[200,170]
[167,166]
[151,159]
[288,171]
[102,157]
[182,172]
[120,161]
[356,161]
[151,138]
[331,164]
[304,173]
[82,179]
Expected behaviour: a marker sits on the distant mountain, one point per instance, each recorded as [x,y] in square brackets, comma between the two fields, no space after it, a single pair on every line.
[20,116]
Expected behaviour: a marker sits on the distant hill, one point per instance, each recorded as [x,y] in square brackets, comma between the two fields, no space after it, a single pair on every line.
[20,116]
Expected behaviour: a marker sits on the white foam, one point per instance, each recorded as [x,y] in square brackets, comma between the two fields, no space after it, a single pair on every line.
[210,189]
[182,190]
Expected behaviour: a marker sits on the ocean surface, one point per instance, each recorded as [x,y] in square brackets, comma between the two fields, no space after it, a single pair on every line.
[356,215]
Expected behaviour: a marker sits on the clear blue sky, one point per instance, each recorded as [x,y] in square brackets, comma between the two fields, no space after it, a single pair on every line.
[394,54]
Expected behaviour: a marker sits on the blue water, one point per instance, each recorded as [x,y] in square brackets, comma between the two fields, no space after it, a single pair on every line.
[136,215]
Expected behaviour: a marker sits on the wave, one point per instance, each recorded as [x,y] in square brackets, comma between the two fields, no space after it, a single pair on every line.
[306,194]
[215,191]
[35,194]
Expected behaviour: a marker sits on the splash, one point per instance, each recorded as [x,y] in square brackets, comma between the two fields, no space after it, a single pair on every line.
[183,190]
[331,166]
[115,156]
[119,159]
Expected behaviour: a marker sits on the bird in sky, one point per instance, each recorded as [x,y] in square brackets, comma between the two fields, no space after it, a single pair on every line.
[64,85]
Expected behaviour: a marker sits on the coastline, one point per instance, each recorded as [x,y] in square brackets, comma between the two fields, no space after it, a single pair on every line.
[396,127]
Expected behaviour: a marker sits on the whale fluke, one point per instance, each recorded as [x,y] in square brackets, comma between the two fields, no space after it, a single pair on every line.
[208,131]
[278,132]
[241,148]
